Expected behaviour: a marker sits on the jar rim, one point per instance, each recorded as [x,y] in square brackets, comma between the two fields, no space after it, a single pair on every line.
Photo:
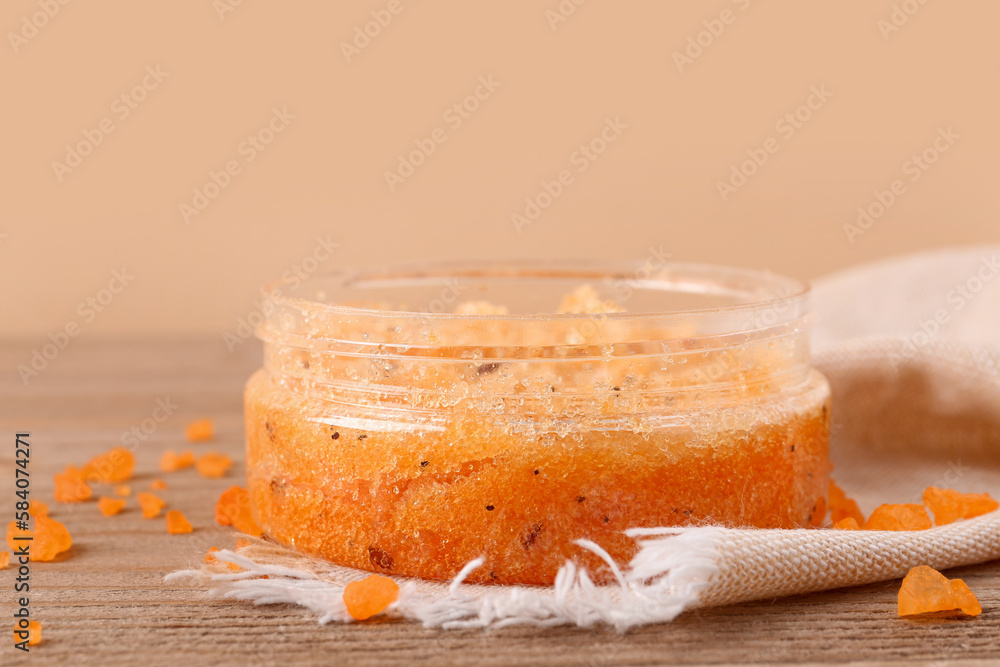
[755,342]
[751,290]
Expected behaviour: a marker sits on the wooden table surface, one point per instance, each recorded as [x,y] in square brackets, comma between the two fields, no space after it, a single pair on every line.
[106,601]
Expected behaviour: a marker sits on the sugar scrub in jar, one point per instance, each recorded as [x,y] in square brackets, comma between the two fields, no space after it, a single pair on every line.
[409,420]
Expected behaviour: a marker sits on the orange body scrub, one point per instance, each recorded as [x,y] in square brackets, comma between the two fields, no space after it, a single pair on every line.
[546,405]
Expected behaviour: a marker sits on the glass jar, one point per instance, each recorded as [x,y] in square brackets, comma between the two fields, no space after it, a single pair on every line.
[409,420]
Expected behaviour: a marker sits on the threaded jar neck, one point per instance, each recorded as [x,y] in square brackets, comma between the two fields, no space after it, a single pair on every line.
[421,340]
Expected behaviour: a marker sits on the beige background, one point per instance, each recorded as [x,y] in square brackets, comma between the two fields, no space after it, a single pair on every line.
[323,175]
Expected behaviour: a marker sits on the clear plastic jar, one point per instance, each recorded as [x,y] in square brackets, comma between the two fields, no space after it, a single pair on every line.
[389,432]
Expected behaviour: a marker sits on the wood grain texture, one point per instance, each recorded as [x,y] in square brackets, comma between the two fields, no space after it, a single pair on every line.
[107,601]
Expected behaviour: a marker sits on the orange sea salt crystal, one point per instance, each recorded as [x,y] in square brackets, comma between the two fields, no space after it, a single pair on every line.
[213,465]
[158,485]
[177,523]
[233,509]
[38,508]
[71,487]
[171,461]
[50,538]
[199,431]
[925,590]
[847,523]
[842,507]
[110,506]
[949,505]
[32,634]
[370,596]
[150,504]
[4,559]
[908,516]
[123,490]
[114,465]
